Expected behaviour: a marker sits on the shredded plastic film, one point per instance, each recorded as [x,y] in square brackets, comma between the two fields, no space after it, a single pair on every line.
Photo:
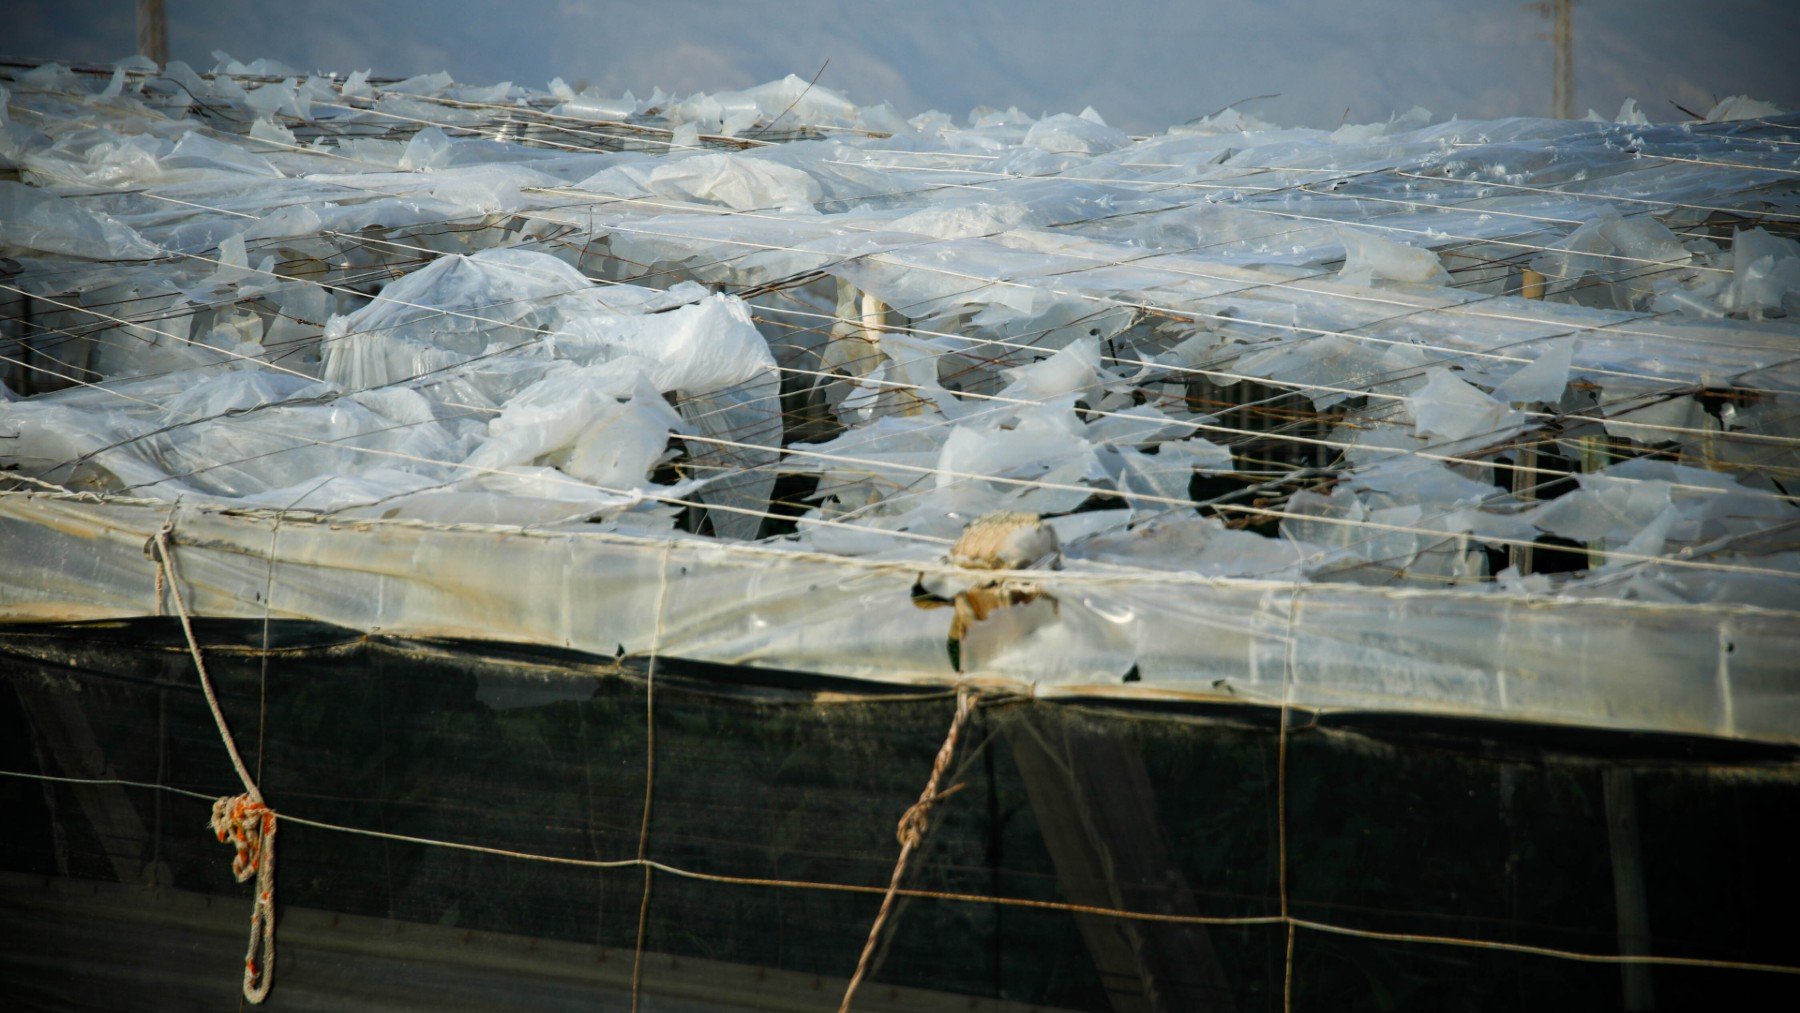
[1491,418]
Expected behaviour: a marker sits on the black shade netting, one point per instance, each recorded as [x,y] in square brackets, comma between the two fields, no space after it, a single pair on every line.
[789,786]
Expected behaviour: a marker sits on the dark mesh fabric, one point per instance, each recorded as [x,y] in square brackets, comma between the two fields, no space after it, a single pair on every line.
[1488,832]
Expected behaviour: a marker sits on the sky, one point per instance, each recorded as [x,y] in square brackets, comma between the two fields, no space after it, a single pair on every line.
[1143,64]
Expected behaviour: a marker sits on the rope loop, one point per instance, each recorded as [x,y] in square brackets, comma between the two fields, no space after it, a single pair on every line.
[248,825]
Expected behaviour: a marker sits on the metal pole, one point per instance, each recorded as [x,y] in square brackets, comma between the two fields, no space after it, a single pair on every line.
[153,31]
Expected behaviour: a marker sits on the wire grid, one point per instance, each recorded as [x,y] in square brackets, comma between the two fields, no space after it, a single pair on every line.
[1282,445]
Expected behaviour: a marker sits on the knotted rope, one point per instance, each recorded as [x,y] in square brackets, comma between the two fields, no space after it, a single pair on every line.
[249,825]
[245,821]
[911,833]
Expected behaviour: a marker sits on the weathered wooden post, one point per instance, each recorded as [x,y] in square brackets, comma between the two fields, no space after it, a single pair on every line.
[153,31]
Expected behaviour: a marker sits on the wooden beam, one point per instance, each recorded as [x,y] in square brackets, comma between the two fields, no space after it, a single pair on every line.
[1629,897]
[153,31]
[1565,59]
[61,729]
[1096,808]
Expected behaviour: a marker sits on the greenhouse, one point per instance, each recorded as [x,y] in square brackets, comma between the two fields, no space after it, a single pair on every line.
[1256,567]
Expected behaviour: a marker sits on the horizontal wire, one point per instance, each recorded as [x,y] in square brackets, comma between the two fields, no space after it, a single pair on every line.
[1143,497]
[1123,914]
[503,322]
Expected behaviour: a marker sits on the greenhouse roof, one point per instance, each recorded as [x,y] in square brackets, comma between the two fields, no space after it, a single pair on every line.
[1493,418]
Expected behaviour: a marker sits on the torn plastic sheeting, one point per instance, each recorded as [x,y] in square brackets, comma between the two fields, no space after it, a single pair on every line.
[285,97]
[1765,273]
[1740,107]
[1145,424]
[266,129]
[1362,133]
[299,432]
[1649,416]
[893,297]
[916,363]
[455,308]
[1368,257]
[1073,369]
[341,492]
[888,454]
[1449,409]
[802,101]
[1168,472]
[197,153]
[1626,252]
[709,249]
[486,190]
[702,346]
[1428,482]
[1617,503]
[1431,652]
[739,182]
[966,221]
[1339,363]
[423,84]
[591,103]
[605,425]
[348,217]
[1080,135]
[1122,294]
[444,313]
[1544,378]
[938,281]
[725,112]
[1037,442]
[743,426]
[286,446]
[31,219]
[1392,550]
[297,425]
[259,67]
[391,107]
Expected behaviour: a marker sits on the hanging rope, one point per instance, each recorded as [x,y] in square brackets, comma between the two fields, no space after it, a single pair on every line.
[656,634]
[1281,797]
[245,821]
[911,832]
